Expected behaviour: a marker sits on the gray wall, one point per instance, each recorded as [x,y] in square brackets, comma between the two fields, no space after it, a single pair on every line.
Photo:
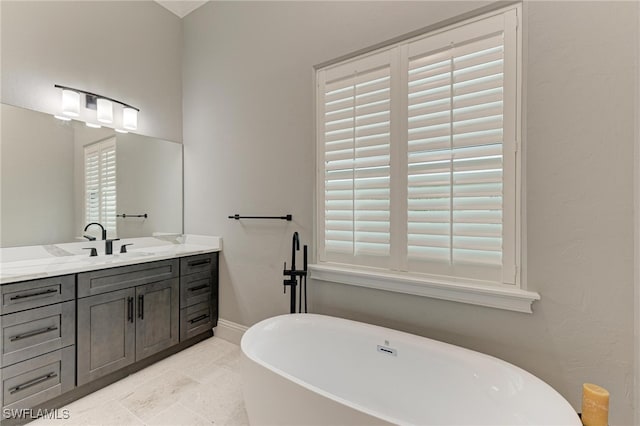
[31,202]
[148,181]
[248,102]
[127,50]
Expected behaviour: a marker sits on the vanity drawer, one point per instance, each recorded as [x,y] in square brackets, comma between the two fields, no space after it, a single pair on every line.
[32,382]
[37,331]
[199,263]
[195,320]
[106,280]
[196,288]
[36,293]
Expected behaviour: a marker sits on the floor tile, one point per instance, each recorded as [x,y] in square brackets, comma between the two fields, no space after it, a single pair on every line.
[153,396]
[178,415]
[217,400]
[198,386]
[109,413]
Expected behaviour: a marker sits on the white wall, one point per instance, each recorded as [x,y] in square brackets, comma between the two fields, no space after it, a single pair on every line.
[248,102]
[31,202]
[248,120]
[127,50]
[149,180]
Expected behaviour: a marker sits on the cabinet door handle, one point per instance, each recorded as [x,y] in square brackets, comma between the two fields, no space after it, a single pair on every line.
[31,333]
[199,287]
[33,382]
[40,293]
[141,306]
[199,262]
[130,309]
[199,318]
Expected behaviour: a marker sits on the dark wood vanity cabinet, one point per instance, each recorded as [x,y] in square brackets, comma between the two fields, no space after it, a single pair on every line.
[118,328]
[37,346]
[61,333]
[198,294]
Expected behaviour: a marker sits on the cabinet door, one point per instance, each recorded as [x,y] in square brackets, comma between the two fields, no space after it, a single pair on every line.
[157,317]
[106,334]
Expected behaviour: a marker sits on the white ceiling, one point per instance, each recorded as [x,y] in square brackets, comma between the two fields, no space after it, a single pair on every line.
[181,7]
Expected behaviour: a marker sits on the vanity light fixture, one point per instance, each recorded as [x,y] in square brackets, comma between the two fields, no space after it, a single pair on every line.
[70,102]
[104,112]
[92,125]
[130,118]
[102,104]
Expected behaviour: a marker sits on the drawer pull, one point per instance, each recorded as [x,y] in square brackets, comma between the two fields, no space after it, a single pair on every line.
[199,262]
[32,333]
[200,287]
[40,293]
[33,382]
[199,318]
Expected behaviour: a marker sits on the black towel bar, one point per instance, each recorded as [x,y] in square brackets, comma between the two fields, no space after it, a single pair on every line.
[238,217]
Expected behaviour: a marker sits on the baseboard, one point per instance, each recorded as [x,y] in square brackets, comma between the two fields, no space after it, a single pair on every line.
[230,331]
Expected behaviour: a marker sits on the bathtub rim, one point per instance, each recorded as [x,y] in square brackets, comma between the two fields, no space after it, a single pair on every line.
[305,384]
[411,337]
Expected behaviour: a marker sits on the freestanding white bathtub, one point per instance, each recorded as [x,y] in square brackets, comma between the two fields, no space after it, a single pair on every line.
[307,369]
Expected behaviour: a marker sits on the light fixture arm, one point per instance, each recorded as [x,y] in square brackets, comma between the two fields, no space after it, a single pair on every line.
[95,95]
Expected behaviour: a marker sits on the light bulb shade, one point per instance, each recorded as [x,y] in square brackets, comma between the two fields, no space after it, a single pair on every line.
[129,118]
[70,103]
[105,111]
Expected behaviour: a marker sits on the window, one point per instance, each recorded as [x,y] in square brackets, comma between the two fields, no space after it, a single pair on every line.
[100,184]
[418,159]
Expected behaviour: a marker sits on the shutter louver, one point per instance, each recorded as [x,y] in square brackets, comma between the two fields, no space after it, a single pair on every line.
[455,122]
[357,164]
[100,185]
[108,187]
[418,156]
[92,184]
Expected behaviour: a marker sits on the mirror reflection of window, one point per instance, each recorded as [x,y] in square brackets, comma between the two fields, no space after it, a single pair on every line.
[100,185]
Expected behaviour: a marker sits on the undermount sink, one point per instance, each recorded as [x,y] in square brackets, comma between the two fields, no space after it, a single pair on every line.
[131,254]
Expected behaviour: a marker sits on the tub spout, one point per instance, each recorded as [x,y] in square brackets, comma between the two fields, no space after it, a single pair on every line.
[295,245]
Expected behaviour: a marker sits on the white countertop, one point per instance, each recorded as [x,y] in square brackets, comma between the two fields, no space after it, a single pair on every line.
[33,262]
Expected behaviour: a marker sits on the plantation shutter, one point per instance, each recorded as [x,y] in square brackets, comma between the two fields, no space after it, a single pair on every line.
[100,184]
[455,152]
[108,185]
[437,195]
[354,129]
[92,183]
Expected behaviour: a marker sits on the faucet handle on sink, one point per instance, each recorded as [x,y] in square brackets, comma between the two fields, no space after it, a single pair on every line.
[94,251]
[123,248]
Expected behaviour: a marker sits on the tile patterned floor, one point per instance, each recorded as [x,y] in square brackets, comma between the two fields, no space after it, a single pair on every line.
[198,386]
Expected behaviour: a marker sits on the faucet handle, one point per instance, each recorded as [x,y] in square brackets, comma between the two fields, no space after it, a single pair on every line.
[123,248]
[94,251]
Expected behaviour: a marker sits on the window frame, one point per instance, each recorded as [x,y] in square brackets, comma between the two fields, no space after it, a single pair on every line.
[512,296]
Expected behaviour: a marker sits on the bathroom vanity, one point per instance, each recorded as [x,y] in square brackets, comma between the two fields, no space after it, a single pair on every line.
[98,319]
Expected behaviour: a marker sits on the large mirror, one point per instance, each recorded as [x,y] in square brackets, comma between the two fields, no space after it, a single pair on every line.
[56,176]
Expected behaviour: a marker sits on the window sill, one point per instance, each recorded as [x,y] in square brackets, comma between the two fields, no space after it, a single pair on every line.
[493,296]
